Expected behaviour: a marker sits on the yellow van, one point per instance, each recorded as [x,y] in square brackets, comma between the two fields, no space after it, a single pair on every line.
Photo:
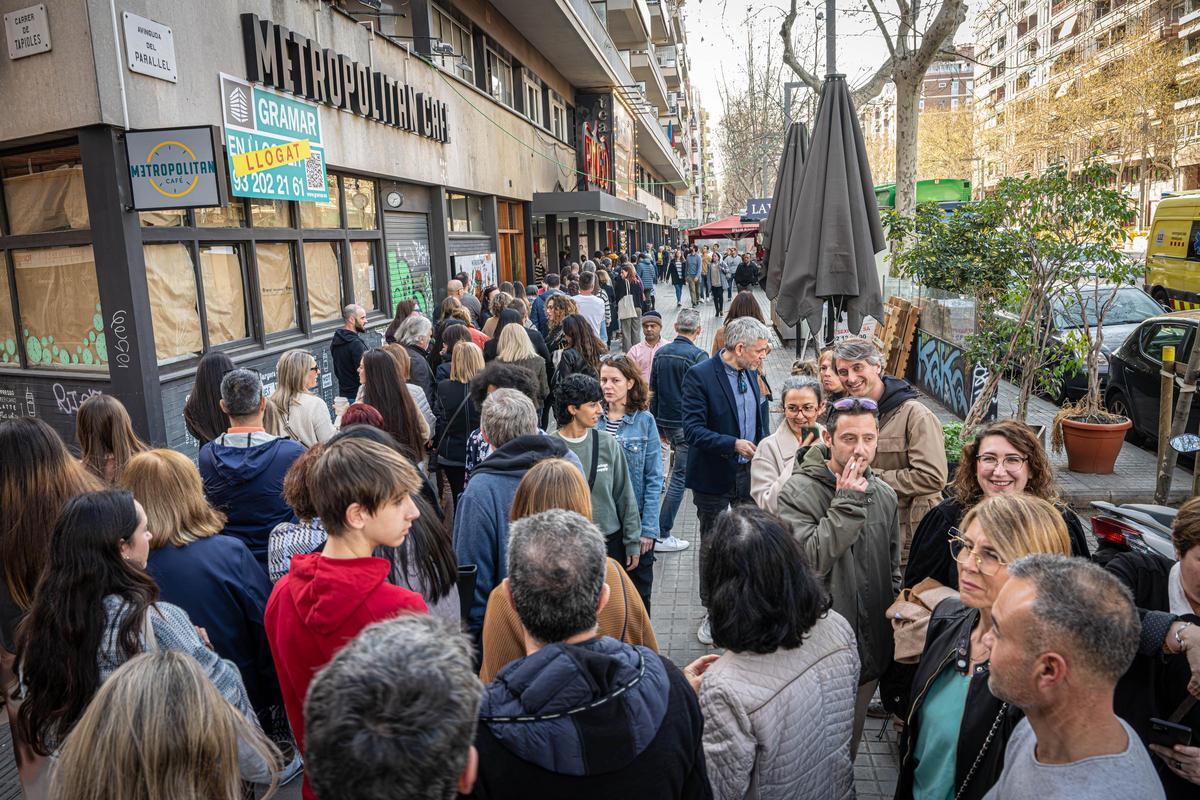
[1173,253]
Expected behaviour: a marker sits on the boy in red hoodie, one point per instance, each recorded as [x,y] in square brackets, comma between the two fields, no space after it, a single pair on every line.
[362,492]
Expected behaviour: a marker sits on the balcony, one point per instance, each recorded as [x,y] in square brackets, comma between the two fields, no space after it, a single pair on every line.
[628,23]
[645,69]
[660,28]
[669,65]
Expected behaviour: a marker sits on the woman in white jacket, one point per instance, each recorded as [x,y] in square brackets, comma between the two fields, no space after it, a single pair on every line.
[779,704]
[802,403]
[302,415]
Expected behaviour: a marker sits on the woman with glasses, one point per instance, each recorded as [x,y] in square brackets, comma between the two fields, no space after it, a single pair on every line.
[302,415]
[802,402]
[625,416]
[1005,458]
[952,745]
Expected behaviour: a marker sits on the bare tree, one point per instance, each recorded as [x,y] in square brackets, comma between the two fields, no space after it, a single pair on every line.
[915,37]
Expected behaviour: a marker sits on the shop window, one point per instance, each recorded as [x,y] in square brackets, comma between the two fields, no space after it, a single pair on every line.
[360,204]
[44,190]
[322,269]
[167,218]
[270,214]
[465,212]
[8,325]
[62,325]
[327,214]
[230,216]
[499,76]
[277,286]
[171,279]
[224,292]
[362,274]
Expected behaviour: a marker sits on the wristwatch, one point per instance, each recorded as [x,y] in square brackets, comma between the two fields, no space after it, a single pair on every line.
[1179,635]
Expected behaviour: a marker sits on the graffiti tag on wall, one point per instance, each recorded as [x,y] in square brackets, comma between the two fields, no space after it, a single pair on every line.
[944,372]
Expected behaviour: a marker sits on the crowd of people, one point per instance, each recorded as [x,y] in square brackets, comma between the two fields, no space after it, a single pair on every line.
[440,585]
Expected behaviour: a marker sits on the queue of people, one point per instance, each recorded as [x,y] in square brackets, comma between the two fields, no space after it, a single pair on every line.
[459,602]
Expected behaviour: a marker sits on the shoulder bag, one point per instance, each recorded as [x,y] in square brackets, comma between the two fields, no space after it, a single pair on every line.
[910,614]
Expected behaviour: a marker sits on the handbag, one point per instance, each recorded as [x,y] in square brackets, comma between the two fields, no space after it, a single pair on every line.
[627,308]
[910,614]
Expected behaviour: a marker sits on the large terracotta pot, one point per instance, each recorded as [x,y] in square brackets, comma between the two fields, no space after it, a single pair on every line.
[1093,447]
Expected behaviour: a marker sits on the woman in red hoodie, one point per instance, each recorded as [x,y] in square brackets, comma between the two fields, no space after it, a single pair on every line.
[362,492]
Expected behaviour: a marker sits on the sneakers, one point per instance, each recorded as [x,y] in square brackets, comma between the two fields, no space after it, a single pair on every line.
[670,545]
[705,632]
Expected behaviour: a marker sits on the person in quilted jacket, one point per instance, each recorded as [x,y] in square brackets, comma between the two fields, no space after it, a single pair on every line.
[779,704]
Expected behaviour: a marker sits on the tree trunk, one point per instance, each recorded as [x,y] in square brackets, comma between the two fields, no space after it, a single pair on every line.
[908,97]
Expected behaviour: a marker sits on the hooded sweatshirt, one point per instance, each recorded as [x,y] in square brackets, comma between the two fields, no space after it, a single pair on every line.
[600,719]
[318,606]
[481,519]
[346,350]
[243,478]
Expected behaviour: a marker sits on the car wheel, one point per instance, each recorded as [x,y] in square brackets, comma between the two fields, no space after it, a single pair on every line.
[1160,296]
[1116,403]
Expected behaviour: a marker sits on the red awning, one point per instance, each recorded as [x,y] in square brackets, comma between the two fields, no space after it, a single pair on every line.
[730,227]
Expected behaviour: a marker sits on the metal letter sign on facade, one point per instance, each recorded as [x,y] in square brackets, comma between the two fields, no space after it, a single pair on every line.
[274,144]
[293,63]
[27,31]
[176,168]
[150,48]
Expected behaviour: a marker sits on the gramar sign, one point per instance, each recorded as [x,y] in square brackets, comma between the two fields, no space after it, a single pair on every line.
[291,62]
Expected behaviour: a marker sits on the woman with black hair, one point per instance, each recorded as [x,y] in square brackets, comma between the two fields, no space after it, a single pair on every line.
[451,336]
[202,414]
[582,351]
[779,704]
[384,388]
[95,609]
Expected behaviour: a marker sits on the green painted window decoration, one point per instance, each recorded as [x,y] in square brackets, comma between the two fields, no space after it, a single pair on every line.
[62,323]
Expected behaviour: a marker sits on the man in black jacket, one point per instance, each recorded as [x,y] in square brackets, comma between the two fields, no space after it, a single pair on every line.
[347,349]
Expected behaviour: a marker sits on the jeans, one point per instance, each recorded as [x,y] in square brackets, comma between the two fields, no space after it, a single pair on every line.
[678,293]
[718,293]
[710,506]
[704,285]
[693,285]
[673,491]
[642,575]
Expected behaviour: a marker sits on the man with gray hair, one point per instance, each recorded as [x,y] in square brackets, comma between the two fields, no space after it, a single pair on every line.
[724,419]
[1063,632]
[243,468]
[414,333]
[912,451]
[393,715]
[581,715]
[666,404]
[346,350]
[509,425]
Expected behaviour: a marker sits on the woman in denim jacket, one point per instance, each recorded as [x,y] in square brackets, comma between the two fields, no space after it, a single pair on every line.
[625,416]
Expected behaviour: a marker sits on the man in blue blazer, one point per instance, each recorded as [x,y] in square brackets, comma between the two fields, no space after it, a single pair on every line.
[723,421]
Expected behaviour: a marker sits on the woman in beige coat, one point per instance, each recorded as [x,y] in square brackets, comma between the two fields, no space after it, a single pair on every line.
[803,403]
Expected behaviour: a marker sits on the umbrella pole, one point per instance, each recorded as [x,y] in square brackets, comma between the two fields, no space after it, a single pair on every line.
[830,37]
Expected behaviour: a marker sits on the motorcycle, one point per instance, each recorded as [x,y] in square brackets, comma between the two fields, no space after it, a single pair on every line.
[1138,527]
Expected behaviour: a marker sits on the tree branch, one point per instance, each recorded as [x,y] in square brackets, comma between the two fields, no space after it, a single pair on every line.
[949,17]
[887,37]
[874,85]
[789,52]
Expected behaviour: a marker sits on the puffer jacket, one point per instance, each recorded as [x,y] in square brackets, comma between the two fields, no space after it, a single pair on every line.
[777,726]
[911,457]
[852,540]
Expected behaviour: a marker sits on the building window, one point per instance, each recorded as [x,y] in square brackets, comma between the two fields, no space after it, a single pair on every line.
[362,274]
[277,286]
[166,218]
[465,212]
[8,324]
[270,214]
[499,76]
[510,228]
[224,292]
[360,203]
[230,216]
[62,324]
[171,279]
[452,32]
[327,214]
[43,191]
[322,268]
[533,99]
[558,116]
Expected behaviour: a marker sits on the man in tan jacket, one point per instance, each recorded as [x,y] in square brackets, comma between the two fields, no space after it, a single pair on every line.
[911,457]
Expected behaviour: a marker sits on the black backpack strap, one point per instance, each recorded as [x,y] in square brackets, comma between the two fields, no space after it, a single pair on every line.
[595,460]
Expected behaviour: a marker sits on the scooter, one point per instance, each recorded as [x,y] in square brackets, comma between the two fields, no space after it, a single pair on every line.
[1140,527]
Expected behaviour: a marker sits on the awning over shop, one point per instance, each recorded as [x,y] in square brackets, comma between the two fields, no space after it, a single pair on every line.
[731,227]
[588,205]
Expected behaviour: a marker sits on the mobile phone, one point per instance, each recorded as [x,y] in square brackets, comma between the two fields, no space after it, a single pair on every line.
[810,430]
[1168,734]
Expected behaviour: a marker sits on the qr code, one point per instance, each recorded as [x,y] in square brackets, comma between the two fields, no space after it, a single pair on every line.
[314,171]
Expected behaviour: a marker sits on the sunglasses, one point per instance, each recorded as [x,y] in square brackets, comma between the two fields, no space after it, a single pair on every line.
[855,403]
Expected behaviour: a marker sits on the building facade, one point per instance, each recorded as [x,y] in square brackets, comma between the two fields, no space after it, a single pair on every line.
[421,139]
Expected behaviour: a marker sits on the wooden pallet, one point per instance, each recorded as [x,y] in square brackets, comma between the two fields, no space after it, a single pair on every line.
[899,328]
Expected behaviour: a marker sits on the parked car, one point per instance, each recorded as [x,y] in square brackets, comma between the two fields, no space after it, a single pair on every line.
[1133,371]
[1130,307]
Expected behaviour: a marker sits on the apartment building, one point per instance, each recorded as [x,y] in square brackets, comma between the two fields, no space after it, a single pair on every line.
[948,86]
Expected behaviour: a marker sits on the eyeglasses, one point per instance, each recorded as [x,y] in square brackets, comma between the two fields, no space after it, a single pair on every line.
[611,358]
[314,368]
[855,403]
[806,409]
[1010,462]
[963,551]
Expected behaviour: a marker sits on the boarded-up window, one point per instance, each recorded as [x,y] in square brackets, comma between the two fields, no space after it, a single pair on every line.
[171,279]
[224,292]
[323,215]
[322,271]
[230,216]
[276,286]
[270,213]
[8,325]
[53,200]
[360,204]
[362,272]
[62,325]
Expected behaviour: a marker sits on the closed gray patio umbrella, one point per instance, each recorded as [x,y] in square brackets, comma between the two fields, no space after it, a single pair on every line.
[833,232]
[775,237]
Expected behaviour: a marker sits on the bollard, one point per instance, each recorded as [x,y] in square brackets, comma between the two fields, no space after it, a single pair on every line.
[1166,394]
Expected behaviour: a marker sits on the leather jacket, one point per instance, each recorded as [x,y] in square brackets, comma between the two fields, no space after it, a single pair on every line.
[947,646]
